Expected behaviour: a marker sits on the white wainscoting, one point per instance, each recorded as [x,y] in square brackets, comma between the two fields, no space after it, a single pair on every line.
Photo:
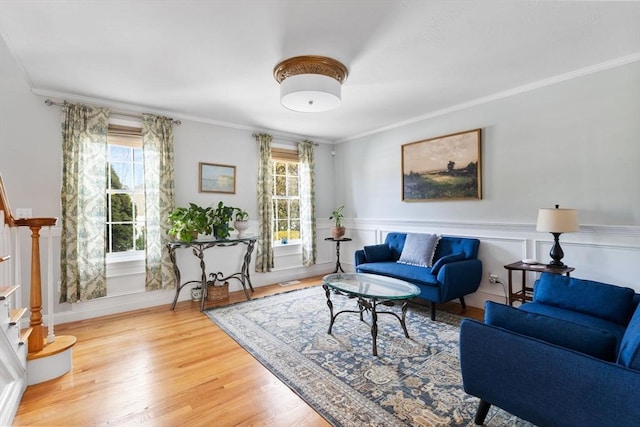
[609,254]
[125,290]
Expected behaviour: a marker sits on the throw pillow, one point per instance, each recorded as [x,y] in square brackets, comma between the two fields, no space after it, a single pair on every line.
[594,342]
[419,249]
[446,260]
[377,253]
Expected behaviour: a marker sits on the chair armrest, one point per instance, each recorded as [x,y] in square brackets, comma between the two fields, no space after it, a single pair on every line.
[359,257]
[544,383]
[460,278]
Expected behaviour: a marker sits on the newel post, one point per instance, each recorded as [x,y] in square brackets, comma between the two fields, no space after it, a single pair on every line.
[36,339]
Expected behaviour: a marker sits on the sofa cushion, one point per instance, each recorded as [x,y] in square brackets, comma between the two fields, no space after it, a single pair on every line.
[592,341]
[575,317]
[419,249]
[609,302]
[448,245]
[411,273]
[396,243]
[377,253]
[446,260]
[629,354]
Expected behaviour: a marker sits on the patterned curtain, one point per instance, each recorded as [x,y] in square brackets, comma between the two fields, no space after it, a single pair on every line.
[157,147]
[307,202]
[264,246]
[84,175]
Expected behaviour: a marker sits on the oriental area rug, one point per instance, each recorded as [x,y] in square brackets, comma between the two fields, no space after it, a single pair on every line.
[413,381]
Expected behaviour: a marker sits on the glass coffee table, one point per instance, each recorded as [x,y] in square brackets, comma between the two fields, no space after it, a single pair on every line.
[371,291]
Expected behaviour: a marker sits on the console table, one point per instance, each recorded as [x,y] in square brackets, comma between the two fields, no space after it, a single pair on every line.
[526,293]
[198,247]
[342,239]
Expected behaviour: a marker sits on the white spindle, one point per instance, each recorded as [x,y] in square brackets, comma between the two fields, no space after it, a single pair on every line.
[17,267]
[5,271]
[51,337]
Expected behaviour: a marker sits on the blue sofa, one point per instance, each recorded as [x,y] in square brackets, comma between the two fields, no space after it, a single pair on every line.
[571,357]
[456,270]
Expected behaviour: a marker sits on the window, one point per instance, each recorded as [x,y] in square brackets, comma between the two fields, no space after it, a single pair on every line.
[125,218]
[286,201]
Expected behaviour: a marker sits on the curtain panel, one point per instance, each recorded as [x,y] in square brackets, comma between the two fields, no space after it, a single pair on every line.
[84,174]
[264,244]
[157,148]
[308,234]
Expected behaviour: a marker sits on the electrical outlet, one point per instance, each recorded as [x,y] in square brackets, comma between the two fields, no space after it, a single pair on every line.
[493,278]
[24,213]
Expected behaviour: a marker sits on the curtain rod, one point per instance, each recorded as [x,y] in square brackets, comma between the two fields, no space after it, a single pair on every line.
[315,144]
[50,102]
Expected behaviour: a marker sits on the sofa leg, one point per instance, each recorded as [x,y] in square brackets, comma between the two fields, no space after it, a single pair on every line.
[481,413]
[462,303]
[432,307]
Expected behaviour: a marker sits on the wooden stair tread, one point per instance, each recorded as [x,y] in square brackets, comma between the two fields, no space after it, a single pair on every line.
[24,336]
[16,314]
[5,291]
[62,343]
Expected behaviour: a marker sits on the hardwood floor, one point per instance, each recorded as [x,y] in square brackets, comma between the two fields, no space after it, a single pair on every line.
[167,368]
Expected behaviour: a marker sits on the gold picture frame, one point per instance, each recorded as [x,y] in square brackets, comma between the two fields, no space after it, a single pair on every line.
[447,167]
[216,178]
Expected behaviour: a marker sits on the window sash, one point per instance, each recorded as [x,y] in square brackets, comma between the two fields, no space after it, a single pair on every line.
[131,138]
[291,195]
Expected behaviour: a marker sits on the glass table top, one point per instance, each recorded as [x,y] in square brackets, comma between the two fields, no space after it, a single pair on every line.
[371,285]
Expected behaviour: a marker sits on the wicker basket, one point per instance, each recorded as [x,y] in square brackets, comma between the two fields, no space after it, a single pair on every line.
[217,293]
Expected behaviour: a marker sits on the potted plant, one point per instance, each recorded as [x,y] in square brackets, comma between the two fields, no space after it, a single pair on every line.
[220,219]
[187,223]
[241,222]
[338,231]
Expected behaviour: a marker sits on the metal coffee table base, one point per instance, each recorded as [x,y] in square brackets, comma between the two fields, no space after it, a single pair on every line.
[369,304]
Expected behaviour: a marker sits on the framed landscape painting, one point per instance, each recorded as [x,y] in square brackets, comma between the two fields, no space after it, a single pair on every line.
[443,168]
[214,178]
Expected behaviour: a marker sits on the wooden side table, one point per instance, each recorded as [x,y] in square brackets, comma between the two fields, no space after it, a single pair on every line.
[342,239]
[526,293]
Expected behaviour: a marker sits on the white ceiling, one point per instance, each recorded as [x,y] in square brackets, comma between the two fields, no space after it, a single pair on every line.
[213,60]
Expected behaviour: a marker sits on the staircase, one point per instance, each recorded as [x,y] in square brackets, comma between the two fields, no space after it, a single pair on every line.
[13,351]
[26,356]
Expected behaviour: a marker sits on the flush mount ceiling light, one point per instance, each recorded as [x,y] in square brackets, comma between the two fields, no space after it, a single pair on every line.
[310,84]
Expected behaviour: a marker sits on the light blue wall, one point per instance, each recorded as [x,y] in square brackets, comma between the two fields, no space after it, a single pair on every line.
[31,166]
[574,143]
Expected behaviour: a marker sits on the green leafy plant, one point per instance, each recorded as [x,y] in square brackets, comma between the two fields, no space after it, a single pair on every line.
[337,216]
[220,219]
[241,215]
[187,223]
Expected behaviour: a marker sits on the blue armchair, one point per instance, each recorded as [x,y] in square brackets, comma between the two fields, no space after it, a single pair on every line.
[455,269]
[569,358]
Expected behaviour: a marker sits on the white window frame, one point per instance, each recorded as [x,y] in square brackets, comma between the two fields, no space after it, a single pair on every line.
[278,243]
[129,262]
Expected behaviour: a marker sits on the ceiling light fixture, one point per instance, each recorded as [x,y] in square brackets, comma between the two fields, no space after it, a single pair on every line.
[310,83]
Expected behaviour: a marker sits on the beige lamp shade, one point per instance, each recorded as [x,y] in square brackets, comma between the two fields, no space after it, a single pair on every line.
[556,220]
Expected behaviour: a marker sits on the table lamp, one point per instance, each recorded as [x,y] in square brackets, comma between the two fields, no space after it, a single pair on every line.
[557,221]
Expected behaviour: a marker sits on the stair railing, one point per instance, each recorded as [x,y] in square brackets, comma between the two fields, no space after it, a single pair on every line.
[36,339]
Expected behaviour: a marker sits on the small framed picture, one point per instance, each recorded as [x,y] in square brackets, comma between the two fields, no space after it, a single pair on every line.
[215,178]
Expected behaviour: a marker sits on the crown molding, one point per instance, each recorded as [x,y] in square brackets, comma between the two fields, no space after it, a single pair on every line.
[614,63]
